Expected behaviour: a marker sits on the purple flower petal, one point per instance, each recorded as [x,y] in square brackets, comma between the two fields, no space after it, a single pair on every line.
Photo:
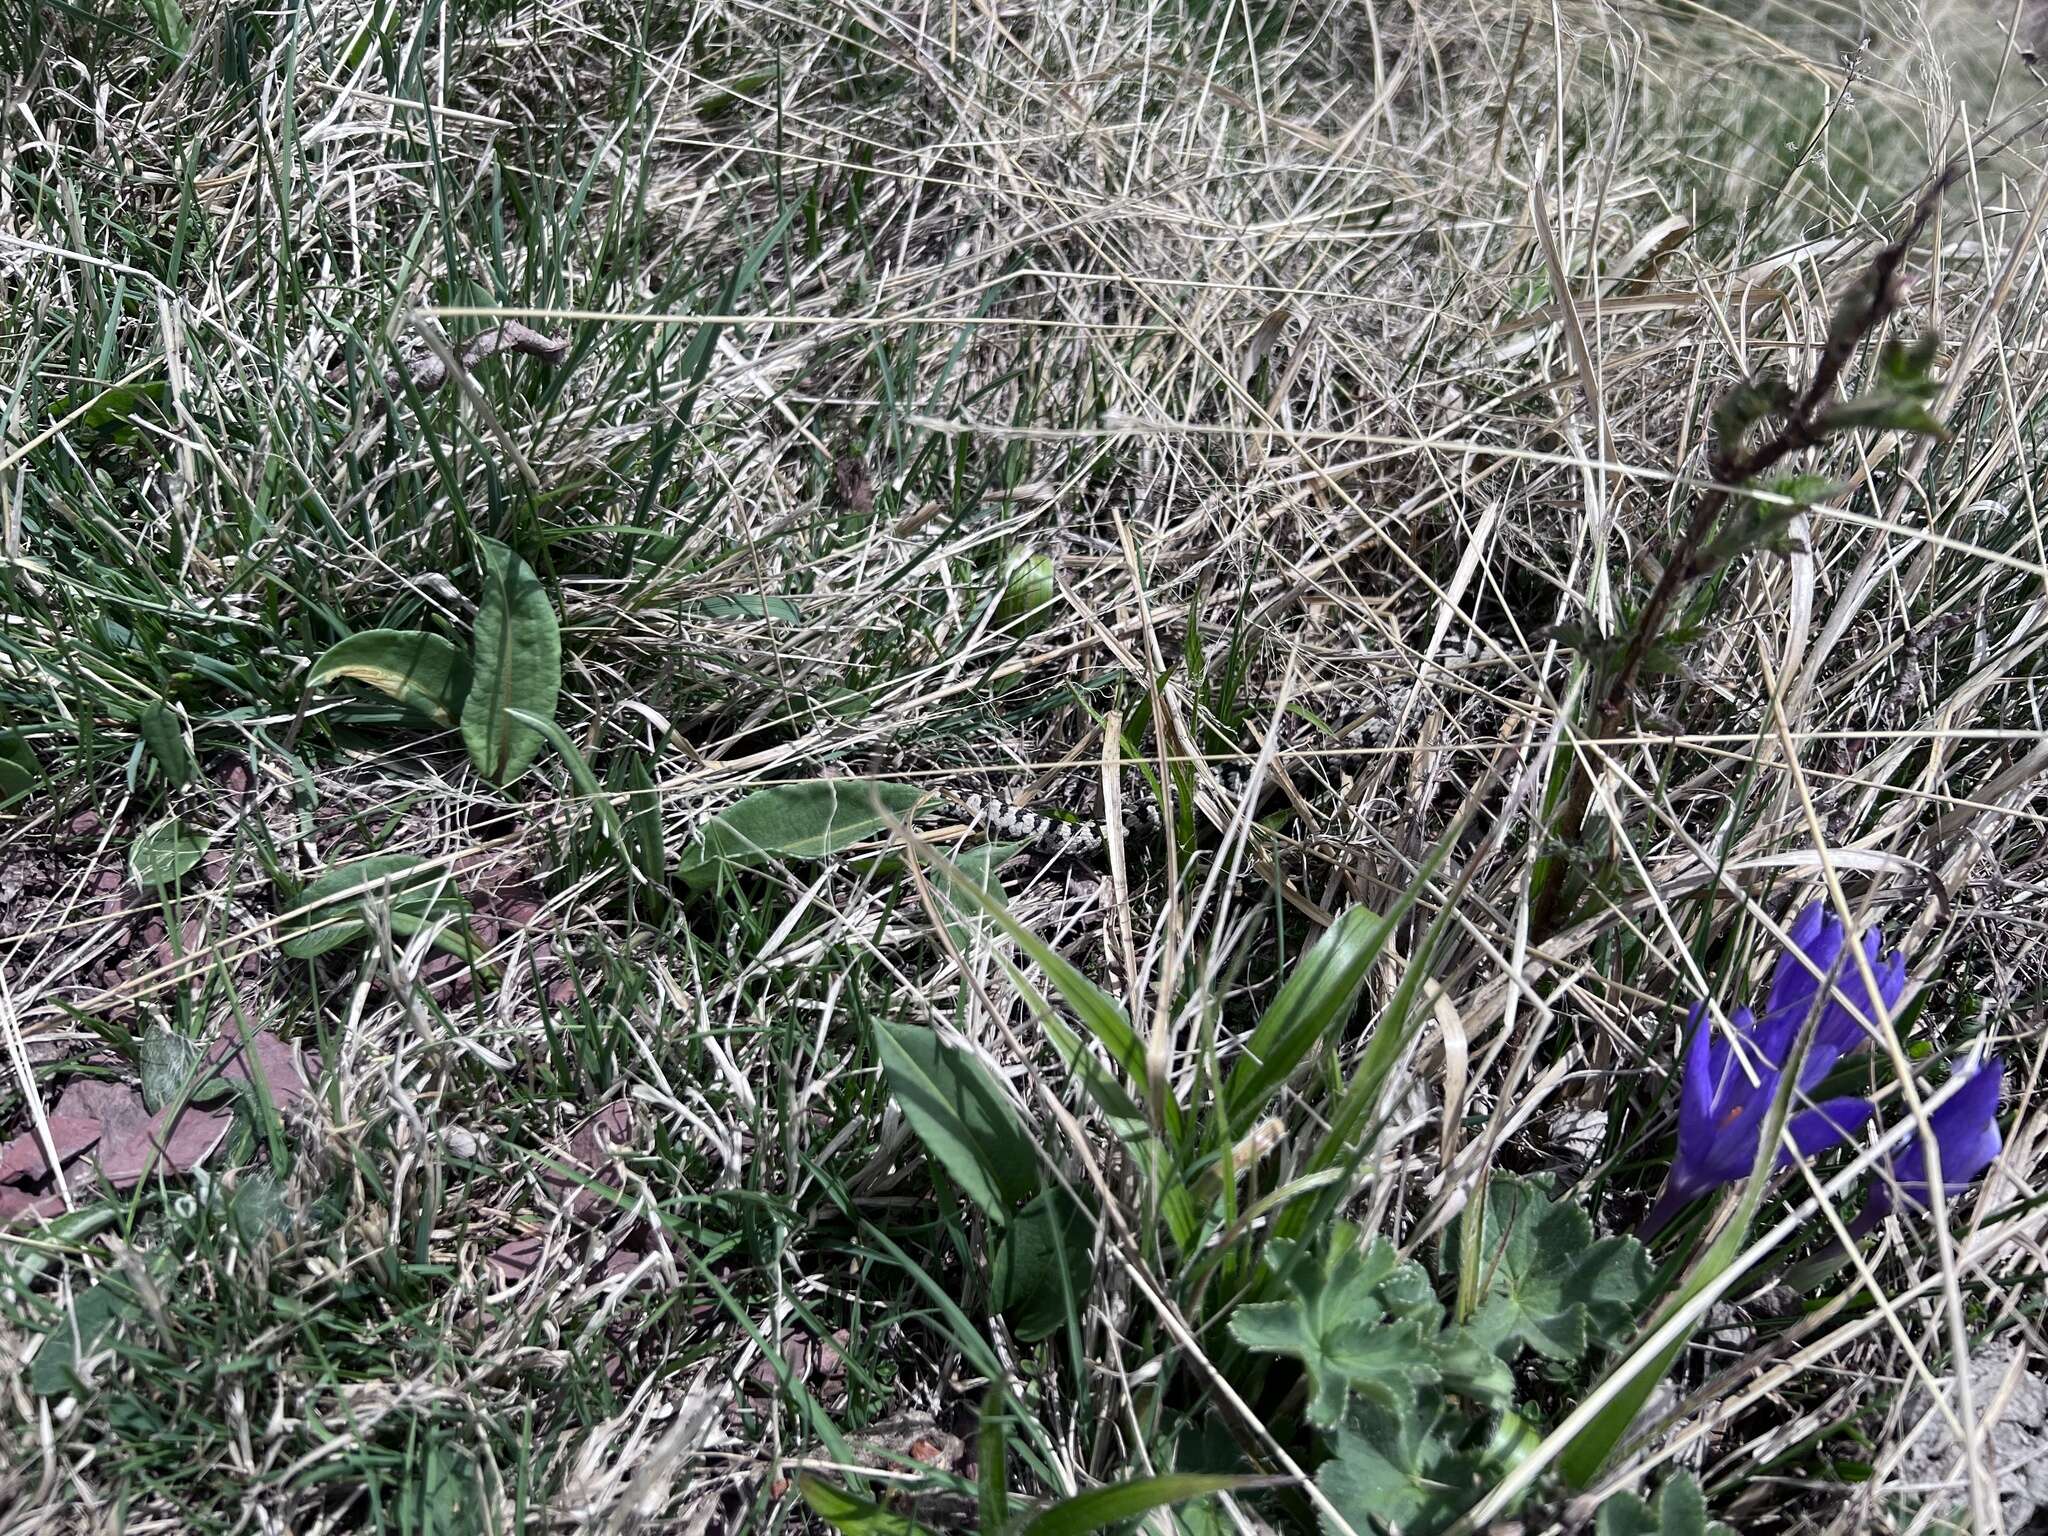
[1965,1129]
[1696,1102]
[1731,1076]
[1827,1124]
[1818,936]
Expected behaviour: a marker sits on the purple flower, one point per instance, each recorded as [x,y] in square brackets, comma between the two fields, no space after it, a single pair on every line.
[1965,1129]
[1732,1076]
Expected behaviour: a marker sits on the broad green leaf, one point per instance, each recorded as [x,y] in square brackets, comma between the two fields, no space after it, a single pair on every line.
[1110,1026]
[415,893]
[1394,1470]
[1548,1285]
[164,734]
[983,895]
[109,410]
[517,665]
[22,1263]
[961,1117]
[1336,1323]
[811,820]
[1042,1268]
[166,851]
[1882,413]
[20,771]
[1028,591]
[1101,1013]
[979,865]
[853,1516]
[257,1205]
[167,1060]
[76,1336]
[1680,1510]
[421,671]
[1100,1508]
[374,27]
[1317,996]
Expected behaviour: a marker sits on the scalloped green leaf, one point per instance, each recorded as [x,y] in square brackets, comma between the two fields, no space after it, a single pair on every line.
[1396,1470]
[1548,1286]
[1337,1322]
[1680,1510]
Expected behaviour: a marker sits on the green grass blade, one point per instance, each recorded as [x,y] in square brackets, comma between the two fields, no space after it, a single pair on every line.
[851,1514]
[1317,994]
[1099,1508]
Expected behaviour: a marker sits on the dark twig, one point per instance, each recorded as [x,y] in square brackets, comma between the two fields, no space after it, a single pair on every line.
[1733,462]
[1879,294]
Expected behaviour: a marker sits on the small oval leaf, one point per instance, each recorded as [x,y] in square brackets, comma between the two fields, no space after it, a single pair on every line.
[165,852]
[419,670]
[164,732]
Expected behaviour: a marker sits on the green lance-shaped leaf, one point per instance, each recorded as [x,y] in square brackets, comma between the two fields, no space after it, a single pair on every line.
[164,734]
[961,1117]
[20,771]
[1898,395]
[812,820]
[1317,996]
[171,26]
[1118,1503]
[420,670]
[851,1515]
[517,666]
[416,894]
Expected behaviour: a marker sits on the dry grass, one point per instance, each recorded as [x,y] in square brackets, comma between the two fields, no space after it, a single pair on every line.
[1250,321]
